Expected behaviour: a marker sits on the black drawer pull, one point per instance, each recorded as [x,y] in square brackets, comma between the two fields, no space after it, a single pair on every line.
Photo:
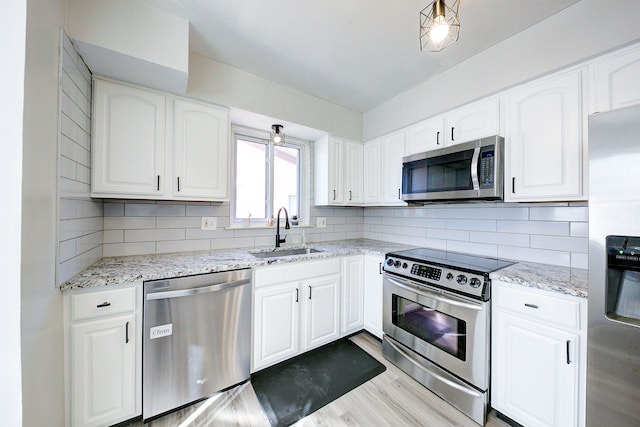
[530,305]
[126,341]
[568,357]
[104,304]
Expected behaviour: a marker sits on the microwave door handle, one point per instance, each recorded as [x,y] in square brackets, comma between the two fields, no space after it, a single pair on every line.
[474,168]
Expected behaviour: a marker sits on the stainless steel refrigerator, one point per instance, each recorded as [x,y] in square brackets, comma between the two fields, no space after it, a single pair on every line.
[613,359]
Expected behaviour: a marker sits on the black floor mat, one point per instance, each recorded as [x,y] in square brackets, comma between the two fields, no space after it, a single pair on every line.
[299,386]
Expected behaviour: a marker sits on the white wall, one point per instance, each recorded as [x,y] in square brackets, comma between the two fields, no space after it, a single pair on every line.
[12,33]
[41,305]
[583,30]
[220,83]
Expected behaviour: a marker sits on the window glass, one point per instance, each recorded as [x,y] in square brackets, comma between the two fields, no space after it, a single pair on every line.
[251,179]
[285,179]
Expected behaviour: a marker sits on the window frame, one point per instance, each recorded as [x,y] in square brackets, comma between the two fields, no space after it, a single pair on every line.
[259,136]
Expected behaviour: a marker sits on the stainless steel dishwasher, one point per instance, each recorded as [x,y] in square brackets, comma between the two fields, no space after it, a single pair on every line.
[197,338]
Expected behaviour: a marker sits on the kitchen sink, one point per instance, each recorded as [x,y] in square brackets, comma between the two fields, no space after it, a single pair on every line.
[285,252]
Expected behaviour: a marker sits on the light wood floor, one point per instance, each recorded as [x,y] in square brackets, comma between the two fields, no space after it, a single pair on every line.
[390,399]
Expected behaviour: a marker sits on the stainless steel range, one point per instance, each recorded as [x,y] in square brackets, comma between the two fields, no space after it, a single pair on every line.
[436,323]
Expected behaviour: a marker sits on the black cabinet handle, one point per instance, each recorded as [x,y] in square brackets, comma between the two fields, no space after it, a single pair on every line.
[104,304]
[438,138]
[452,128]
[158,188]
[178,184]
[296,294]
[530,305]
[399,198]
[349,195]
[379,268]
[309,292]
[513,185]
[568,358]
[126,340]
[334,194]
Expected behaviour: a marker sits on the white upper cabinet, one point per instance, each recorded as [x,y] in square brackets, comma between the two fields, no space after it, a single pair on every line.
[616,80]
[128,147]
[424,136]
[150,146]
[383,171]
[199,158]
[477,120]
[544,152]
[338,172]
[392,153]
[473,121]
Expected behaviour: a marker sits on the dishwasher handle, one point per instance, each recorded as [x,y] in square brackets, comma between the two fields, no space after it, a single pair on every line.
[196,291]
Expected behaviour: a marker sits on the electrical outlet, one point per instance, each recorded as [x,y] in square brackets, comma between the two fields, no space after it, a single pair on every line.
[321,222]
[209,223]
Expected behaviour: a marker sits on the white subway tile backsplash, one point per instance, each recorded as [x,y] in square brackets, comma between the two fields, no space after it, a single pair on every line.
[178,222]
[549,228]
[113,209]
[579,260]
[471,224]
[238,242]
[428,223]
[569,244]
[66,250]
[472,248]
[535,255]
[147,209]
[126,249]
[437,233]
[569,213]
[131,223]
[154,235]
[509,239]
[183,246]
[113,236]
[212,210]
[579,229]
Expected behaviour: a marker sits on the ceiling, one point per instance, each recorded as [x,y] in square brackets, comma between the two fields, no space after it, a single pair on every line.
[354,53]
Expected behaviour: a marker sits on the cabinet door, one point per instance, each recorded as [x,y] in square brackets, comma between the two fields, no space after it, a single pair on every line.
[424,136]
[103,371]
[200,151]
[534,372]
[275,324]
[373,172]
[616,81]
[353,173]
[474,121]
[352,294]
[336,171]
[322,311]
[392,154]
[128,141]
[544,150]
[373,295]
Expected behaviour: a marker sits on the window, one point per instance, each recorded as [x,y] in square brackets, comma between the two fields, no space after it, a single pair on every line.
[267,177]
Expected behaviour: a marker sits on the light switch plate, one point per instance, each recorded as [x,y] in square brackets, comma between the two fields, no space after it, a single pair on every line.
[321,222]
[209,223]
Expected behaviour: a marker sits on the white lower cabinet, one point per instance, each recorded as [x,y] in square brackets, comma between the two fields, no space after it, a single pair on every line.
[538,356]
[103,357]
[297,315]
[373,294]
[352,294]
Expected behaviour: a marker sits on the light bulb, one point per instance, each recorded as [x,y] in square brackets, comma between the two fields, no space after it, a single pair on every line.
[440,30]
[277,139]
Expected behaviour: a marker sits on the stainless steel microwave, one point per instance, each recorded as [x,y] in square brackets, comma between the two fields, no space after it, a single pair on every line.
[471,170]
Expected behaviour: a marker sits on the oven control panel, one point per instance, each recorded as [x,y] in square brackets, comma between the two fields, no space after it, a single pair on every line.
[459,281]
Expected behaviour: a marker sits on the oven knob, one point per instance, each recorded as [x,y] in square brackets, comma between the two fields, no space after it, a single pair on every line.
[397,264]
[405,265]
[461,279]
[449,276]
[389,262]
[475,283]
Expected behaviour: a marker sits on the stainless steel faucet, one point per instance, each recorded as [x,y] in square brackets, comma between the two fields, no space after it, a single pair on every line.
[286,226]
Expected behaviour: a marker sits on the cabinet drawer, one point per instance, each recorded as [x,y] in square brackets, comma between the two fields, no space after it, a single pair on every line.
[538,306]
[295,271]
[102,303]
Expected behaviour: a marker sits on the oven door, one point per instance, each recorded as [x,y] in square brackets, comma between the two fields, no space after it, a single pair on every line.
[450,331]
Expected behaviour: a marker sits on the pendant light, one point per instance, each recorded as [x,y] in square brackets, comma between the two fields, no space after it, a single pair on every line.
[277,136]
[439,25]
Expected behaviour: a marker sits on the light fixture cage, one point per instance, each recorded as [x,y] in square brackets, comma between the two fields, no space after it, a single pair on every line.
[277,136]
[451,16]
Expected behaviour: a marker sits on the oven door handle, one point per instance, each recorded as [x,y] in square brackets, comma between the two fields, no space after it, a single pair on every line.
[426,293]
[411,358]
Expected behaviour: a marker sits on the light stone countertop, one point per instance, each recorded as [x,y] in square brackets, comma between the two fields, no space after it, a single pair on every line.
[127,269]
[564,280]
